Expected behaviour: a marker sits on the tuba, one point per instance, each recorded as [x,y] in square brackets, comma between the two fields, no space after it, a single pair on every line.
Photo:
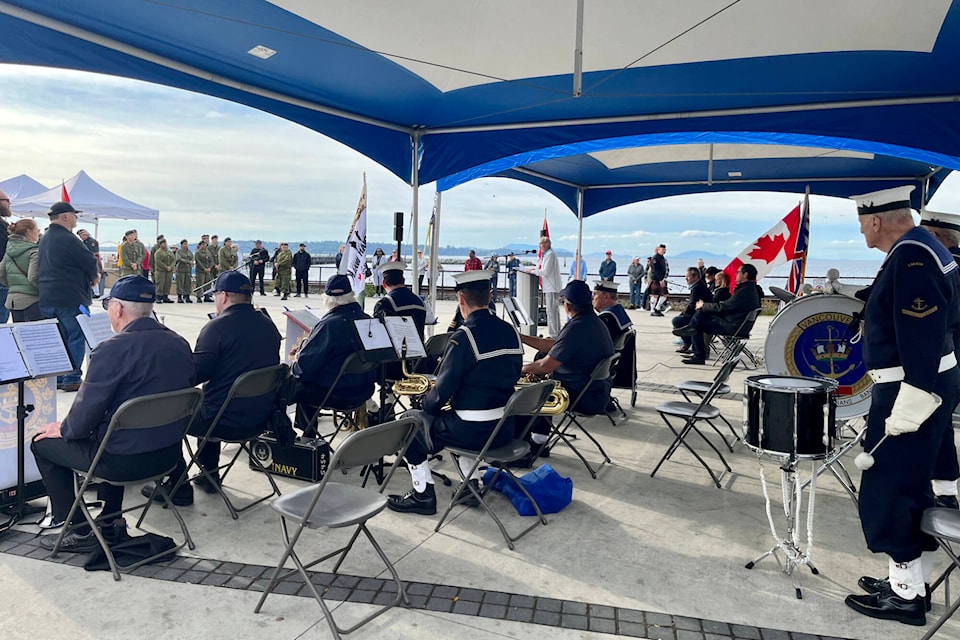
[412,384]
[558,400]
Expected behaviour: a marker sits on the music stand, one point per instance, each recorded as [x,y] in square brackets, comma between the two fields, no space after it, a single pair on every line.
[517,313]
[29,350]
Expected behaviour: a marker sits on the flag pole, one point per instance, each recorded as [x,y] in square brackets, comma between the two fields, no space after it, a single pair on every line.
[579,256]
[434,259]
[415,184]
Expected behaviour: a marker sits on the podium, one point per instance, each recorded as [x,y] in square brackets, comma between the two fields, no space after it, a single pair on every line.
[528,296]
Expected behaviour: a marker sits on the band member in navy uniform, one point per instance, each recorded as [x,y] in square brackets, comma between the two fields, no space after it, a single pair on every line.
[615,318]
[398,301]
[911,320]
[479,370]
[320,357]
[945,227]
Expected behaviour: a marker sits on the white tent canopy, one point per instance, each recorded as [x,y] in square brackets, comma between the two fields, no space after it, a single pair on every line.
[94,201]
[23,186]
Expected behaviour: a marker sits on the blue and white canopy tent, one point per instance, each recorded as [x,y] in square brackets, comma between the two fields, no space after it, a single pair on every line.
[436,88]
[22,186]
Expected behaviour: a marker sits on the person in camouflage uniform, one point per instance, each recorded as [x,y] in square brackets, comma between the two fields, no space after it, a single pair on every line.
[153,262]
[184,262]
[204,270]
[227,258]
[213,250]
[132,255]
[163,260]
[284,264]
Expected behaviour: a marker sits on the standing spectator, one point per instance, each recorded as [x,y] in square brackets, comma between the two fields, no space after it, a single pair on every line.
[378,259]
[578,268]
[153,251]
[340,256]
[184,267]
[163,264]
[258,265]
[131,255]
[549,271]
[301,268]
[702,269]
[5,212]
[512,265]
[284,264]
[204,271]
[93,247]
[636,273]
[422,265]
[473,262]
[658,277]
[20,271]
[146,264]
[646,289]
[608,268]
[67,271]
[493,266]
[273,270]
[227,256]
[213,250]
[394,257]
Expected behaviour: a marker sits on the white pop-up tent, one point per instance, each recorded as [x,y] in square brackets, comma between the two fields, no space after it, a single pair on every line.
[23,186]
[93,200]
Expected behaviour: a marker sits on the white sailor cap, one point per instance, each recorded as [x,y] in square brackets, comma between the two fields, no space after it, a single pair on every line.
[882,201]
[940,220]
[478,279]
[605,286]
[393,265]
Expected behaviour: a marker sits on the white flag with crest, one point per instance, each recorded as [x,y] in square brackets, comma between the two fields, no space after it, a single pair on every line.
[354,261]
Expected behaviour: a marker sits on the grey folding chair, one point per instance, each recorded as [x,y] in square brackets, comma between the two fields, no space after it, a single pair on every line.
[734,346]
[252,384]
[334,505]
[436,346]
[943,525]
[691,413]
[625,371]
[145,412]
[524,402]
[562,431]
[697,388]
[343,418]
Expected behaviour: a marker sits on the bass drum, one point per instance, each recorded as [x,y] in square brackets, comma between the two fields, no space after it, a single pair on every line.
[809,338]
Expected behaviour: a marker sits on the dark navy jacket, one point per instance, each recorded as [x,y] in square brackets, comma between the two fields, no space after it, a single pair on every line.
[616,320]
[238,340]
[66,269]
[330,343]
[403,302]
[583,342]
[731,313]
[698,291]
[144,358]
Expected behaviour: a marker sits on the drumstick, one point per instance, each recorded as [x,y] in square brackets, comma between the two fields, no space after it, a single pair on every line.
[864,460]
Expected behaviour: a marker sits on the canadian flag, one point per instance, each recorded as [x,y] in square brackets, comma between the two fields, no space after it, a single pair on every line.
[64,196]
[775,247]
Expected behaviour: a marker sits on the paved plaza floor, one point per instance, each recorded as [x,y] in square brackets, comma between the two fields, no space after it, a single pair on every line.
[632,556]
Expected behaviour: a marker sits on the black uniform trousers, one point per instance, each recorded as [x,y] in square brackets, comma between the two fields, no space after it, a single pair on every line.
[208,456]
[448,430]
[896,491]
[56,458]
[302,277]
[255,271]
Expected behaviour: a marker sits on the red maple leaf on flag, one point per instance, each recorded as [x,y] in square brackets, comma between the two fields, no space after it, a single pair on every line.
[767,248]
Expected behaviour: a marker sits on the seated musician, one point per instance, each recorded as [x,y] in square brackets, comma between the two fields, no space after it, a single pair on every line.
[722,317]
[477,377]
[399,301]
[609,309]
[319,358]
[570,359]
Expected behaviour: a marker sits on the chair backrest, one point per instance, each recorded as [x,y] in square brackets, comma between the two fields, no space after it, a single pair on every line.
[355,363]
[721,378]
[368,446]
[743,331]
[437,344]
[621,340]
[253,384]
[527,401]
[604,369]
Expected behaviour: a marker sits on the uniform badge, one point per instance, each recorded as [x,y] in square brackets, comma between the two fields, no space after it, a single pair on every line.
[919,309]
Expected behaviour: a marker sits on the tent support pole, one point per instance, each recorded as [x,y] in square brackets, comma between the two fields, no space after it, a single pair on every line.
[579,256]
[415,215]
[434,258]
[578,54]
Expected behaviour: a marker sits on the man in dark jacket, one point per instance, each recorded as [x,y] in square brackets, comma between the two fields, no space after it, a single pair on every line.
[698,293]
[658,284]
[67,273]
[259,257]
[722,317]
[301,270]
[5,212]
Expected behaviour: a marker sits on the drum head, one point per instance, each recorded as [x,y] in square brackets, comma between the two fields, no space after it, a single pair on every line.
[790,384]
[809,338]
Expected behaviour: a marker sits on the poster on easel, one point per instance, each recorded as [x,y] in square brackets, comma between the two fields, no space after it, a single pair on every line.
[42,394]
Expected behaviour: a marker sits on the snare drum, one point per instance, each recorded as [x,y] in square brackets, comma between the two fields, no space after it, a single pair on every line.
[789,416]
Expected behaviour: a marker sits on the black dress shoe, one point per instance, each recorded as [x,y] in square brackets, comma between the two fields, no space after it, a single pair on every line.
[73,542]
[685,332]
[694,360]
[946,502]
[887,605]
[206,485]
[424,503]
[876,585]
[685,350]
[182,498]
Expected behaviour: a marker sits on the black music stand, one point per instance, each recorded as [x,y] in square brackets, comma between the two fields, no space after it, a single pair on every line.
[42,352]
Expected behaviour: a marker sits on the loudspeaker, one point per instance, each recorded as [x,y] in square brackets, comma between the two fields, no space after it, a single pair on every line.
[398,226]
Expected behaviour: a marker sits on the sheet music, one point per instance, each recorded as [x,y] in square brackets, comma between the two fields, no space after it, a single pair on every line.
[518,315]
[12,366]
[402,328]
[96,328]
[373,335]
[42,347]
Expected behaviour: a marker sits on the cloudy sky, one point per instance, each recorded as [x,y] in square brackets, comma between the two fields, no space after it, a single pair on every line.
[211,166]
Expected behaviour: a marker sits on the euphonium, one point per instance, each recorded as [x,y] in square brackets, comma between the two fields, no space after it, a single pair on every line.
[412,384]
[558,400]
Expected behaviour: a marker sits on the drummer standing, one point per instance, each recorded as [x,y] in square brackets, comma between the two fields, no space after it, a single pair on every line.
[911,318]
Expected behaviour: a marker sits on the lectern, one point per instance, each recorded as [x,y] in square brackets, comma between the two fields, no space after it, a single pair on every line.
[528,295]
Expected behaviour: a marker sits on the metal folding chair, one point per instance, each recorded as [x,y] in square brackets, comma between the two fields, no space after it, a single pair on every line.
[561,432]
[334,505]
[943,525]
[698,388]
[252,384]
[343,418]
[524,402]
[734,346]
[145,412]
[625,371]
[691,413]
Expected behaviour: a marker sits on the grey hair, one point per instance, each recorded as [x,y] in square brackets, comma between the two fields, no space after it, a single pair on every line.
[897,216]
[136,309]
[332,302]
[950,237]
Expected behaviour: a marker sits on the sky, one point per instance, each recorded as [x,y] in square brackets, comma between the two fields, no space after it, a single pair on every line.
[212,166]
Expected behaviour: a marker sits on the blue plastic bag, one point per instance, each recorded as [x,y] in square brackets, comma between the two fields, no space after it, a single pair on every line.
[551,490]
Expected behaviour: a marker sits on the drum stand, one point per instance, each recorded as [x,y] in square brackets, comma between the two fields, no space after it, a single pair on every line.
[833,460]
[792,489]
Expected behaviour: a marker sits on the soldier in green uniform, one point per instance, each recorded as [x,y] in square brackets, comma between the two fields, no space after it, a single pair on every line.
[184,262]
[132,255]
[153,263]
[284,264]
[213,250]
[227,258]
[204,270]
[163,260]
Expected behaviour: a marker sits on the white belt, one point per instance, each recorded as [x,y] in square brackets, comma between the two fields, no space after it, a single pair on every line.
[895,374]
[480,415]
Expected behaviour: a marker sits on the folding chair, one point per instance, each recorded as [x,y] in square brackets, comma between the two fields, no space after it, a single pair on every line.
[561,432]
[252,384]
[698,388]
[436,346]
[625,371]
[145,412]
[734,345]
[943,525]
[691,413]
[526,401]
[343,419]
[334,505]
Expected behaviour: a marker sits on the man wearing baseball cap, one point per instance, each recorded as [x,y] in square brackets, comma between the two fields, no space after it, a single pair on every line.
[608,268]
[67,273]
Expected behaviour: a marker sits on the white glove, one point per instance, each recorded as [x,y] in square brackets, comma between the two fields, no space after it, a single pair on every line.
[910,409]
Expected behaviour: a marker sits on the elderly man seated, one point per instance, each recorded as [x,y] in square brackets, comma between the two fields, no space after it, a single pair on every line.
[698,293]
[144,357]
[320,357]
